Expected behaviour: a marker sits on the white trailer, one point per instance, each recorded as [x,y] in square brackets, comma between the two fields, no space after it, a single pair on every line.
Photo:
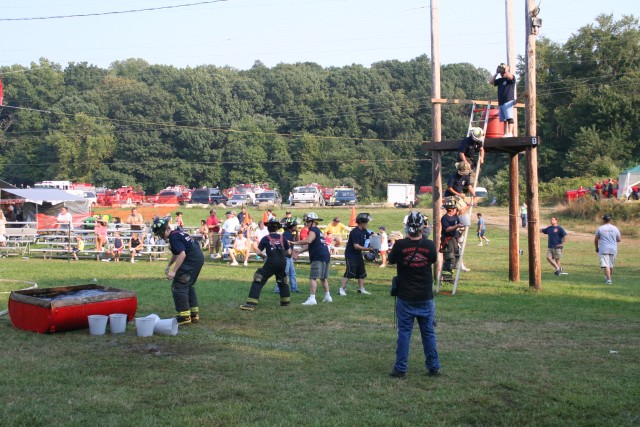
[401,195]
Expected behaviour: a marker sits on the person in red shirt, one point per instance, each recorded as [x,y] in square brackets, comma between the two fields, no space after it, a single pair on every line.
[213,225]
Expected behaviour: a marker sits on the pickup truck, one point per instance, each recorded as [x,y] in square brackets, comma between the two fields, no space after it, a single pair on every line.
[307,194]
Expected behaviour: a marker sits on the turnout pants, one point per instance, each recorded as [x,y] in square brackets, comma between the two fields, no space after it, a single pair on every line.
[263,274]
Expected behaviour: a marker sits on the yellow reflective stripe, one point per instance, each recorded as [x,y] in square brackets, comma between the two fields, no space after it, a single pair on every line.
[252,300]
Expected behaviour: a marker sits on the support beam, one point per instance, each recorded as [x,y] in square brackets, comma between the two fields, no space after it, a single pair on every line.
[512,145]
[436,135]
[514,230]
[533,230]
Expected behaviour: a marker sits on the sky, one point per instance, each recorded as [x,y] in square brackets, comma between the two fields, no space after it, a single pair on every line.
[237,33]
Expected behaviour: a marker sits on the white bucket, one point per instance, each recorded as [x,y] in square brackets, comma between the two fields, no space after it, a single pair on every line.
[465,220]
[97,324]
[144,326]
[155,318]
[166,327]
[374,242]
[118,323]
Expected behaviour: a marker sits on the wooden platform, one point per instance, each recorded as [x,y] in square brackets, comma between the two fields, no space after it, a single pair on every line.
[507,145]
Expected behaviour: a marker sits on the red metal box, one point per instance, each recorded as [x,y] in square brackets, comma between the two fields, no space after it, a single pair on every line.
[66,308]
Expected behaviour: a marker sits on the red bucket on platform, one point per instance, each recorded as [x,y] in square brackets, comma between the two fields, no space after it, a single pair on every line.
[495,129]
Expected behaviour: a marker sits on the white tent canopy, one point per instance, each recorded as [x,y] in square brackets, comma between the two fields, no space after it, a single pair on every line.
[41,195]
[626,180]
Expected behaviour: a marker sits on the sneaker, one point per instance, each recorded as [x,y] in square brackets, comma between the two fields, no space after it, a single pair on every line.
[234,263]
[488,241]
[246,264]
[508,135]
[382,266]
[364,291]
[397,374]
[342,292]
[133,261]
[480,244]
[212,256]
[106,260]
[434,372]
[327,298]
[248,307]
[558,272]
[609,282]
[465,269]
[310,301]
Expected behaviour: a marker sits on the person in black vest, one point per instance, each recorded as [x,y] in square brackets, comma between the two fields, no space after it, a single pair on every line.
[450,231]
[274,248]
[414,257]
[187,260]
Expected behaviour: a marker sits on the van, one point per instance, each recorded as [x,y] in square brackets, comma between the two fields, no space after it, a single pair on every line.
[481,195]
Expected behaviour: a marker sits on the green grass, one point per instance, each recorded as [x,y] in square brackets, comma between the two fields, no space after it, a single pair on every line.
[510,356]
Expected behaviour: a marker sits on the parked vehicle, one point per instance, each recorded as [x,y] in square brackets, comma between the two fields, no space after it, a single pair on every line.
[208,196]
[169,197]
[90,196]
[401,195]
[343,196]
[239,200]
[307,194]
[327,193]
[272,197]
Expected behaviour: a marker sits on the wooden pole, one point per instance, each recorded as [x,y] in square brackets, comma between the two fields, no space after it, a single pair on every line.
[514,176]
[535,276]
[436,124]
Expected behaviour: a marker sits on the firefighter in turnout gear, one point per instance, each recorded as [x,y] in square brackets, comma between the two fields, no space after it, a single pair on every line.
[187,261]
[274,248]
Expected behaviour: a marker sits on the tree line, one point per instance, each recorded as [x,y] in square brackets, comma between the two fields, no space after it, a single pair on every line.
[157,125]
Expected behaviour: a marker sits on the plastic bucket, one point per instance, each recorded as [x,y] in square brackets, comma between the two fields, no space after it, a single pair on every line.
[144,326]
[465,220]
[97,324]
[166,327]
[375,241]
[118,323]
[155,318]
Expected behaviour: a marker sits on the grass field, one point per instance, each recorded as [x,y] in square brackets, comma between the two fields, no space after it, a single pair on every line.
[566,355]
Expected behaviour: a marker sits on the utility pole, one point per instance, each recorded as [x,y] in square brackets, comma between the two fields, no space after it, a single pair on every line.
[535,275]
[436,124]
[514,189]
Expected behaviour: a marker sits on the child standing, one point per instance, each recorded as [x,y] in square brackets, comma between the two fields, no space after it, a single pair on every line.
[384,246]
[481,230]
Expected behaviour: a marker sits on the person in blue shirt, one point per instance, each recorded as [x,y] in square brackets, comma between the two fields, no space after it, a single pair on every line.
[274,249]
[353,255]
[557,236]
[318,256]
[482,228]
[187,260]
[505,81]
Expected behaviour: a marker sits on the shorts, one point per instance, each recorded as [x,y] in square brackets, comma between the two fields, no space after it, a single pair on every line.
[319,270]
[355,268]
[506,111]
[554,253]
[481,233]
[241,253]
[607,260]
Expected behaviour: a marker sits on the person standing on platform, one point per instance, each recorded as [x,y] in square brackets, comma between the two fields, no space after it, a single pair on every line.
[506,83]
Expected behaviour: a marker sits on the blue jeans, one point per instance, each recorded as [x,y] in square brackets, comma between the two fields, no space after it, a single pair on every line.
[291,273]
[424,312]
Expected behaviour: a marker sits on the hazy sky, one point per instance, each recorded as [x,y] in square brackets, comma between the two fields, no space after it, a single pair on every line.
[239,32]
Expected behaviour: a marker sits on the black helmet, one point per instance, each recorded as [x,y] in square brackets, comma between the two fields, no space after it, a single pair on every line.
[415,222]
[273,225]
[160,225]
[289,223]
[363,217]
[449,203]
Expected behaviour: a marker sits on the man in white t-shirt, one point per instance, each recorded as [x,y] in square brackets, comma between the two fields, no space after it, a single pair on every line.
[64,220]
[241,246]
[606,241]
[230,225]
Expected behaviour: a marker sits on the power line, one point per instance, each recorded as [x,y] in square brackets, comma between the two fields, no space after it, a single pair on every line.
[118,12]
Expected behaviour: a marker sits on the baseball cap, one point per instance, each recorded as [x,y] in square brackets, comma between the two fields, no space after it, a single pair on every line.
[382,228]
[228,213]
[336,219]
[607,217]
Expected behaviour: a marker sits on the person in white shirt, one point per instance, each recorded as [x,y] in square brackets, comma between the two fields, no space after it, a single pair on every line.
[606,241]
[241,247]
[229,226]
[64,220]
